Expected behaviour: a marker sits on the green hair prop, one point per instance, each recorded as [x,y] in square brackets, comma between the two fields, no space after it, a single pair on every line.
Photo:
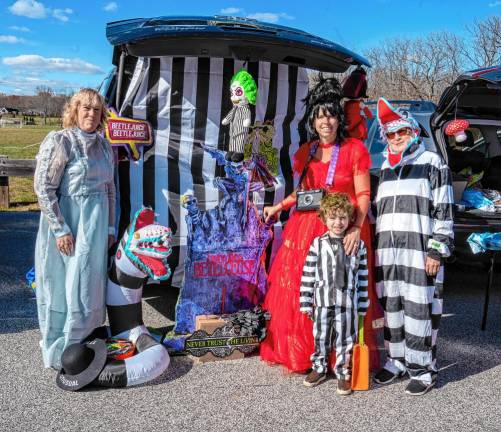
[247,82]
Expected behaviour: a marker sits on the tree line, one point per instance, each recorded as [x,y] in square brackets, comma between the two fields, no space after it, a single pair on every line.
[45,102]
[423,67]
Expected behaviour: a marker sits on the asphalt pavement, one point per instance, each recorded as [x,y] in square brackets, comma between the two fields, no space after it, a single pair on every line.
[244,395]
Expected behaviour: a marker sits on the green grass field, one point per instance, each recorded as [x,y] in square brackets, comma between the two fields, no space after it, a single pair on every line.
[23,143]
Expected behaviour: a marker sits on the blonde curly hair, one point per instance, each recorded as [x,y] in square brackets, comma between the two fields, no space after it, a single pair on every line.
[334,202]
[84,96]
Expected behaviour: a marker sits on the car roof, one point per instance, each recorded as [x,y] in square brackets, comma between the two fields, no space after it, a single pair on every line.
[413,106]
[223,36]
[474,94]
[492,73]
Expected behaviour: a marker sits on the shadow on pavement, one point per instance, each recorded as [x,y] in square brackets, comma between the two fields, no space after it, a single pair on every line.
[463,348]
[178,367]
[17,301]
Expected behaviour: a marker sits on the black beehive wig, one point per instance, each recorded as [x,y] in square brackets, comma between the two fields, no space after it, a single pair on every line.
[325,95]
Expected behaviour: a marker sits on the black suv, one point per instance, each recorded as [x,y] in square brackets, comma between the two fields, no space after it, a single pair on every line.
[474,96]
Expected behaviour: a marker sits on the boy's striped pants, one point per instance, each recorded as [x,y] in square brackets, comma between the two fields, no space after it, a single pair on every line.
[334,327]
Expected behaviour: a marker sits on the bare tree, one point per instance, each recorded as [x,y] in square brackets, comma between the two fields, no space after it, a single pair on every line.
[421,68]
[44,99]
[415,69]
[485,49]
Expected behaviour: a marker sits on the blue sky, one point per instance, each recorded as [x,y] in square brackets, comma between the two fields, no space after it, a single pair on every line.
[62,44]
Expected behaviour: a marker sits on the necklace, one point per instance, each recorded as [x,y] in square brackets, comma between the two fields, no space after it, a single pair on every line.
[327,145]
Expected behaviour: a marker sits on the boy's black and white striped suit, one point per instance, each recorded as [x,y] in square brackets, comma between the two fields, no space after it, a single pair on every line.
[414,220]
[238,132]
[336,284]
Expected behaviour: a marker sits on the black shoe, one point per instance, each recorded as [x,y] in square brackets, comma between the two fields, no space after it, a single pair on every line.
[314,378]
[384,376]
[418,388]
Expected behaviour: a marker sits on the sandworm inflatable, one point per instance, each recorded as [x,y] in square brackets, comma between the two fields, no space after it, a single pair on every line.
[142,254]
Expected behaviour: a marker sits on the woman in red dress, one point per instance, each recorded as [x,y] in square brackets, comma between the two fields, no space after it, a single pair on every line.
[290,333]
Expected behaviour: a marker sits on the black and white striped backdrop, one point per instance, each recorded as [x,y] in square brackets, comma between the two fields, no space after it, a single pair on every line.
[185,99]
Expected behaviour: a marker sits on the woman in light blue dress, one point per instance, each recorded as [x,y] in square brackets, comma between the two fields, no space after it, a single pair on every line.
[76,194]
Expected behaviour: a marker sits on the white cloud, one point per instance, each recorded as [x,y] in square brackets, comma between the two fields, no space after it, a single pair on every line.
[37,62]
[21,29]
[29,8]
[36,10]
[110,7]
[230,10]
[62,14]
[494,4]
[11,39]
[28,85]
[270,16]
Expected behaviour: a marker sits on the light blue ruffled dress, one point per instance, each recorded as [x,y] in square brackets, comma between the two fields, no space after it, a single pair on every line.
[76,193]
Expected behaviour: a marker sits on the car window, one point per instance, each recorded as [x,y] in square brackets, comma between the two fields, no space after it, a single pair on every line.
[475,141]
[376,144]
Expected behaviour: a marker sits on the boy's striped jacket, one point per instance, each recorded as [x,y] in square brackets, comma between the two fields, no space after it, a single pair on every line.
[319,285]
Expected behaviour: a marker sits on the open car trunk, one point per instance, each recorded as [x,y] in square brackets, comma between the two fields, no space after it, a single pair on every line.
[175,73]
[476,97]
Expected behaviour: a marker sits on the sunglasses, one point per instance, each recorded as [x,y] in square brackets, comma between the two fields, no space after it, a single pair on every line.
[400,133]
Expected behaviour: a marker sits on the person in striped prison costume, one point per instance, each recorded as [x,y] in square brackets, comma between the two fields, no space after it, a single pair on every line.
[333,289]
[243,91]
[414,233]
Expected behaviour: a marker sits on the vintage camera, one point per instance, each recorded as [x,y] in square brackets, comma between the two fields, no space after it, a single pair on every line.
[309,199]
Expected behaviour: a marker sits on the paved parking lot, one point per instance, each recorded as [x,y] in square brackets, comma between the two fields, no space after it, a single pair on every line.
[244,395]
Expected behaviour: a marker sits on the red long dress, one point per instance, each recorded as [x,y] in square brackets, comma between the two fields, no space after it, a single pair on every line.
[290,333]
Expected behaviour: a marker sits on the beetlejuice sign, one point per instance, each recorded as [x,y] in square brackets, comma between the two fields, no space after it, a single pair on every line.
[225,268]
[128,133]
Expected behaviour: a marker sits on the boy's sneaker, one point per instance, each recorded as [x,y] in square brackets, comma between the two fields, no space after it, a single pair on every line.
[343,387]
[314,378]
[418,388]
[384,376]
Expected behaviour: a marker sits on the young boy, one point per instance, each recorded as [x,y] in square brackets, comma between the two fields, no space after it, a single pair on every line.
[333,289]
